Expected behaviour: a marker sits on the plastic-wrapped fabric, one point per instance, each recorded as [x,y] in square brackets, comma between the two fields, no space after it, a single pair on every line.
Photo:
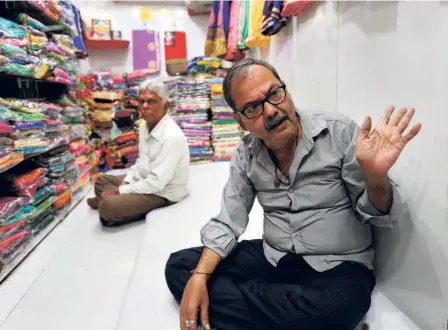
[24,180]
[29,21]
[58,150]
[10,245]
[29,125]
[73,112]
[9,161]
[5,128]
[23,105]
[58,159]
[9,29]
[41,194]
[61,73]
[62,200]
[59,188]
[29,144]
[11,50]
[12,228]
[9,206]
[8,115]
[23,116]
[76,144]
[22,42]
[57,141]
[53,47]
[51,107]
[31,189]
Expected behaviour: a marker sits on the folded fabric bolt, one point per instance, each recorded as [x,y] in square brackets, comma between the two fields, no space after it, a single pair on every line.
[12,228]
[42,194]
[10,160]
[29,125]
[5,128]
[61,158]
[30,190]
[24,180]
[9,206]
[8,245]
[28,143]
[62,200]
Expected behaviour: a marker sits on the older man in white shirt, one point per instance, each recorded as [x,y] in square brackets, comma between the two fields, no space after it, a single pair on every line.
[160,175]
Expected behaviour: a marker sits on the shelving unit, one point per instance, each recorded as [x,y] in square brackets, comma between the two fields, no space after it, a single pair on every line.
[22,254]
[106,44]
[27,87]
[8,9]
[20,87]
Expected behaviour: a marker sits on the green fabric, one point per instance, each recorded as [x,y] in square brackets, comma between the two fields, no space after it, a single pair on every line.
[244,24]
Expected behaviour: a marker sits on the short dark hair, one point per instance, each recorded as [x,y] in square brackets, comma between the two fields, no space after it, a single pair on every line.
[241,68]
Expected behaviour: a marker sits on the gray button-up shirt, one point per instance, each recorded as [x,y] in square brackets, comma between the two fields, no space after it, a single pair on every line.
[324,214]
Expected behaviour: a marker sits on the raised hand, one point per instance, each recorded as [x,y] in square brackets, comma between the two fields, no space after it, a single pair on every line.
[377,150]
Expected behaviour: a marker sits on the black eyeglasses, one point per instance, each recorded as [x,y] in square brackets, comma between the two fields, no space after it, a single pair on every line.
[275,97]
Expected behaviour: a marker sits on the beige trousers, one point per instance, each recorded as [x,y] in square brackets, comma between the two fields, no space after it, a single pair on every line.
[121,209]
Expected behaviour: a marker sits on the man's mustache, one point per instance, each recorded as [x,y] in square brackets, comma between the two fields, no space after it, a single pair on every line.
[275,122]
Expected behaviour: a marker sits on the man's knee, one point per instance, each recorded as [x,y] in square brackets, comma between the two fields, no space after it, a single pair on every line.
[107,211]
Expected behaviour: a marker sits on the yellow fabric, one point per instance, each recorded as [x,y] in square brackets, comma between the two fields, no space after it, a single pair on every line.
[255,39]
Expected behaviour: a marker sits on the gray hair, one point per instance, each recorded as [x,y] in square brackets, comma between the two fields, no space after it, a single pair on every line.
[155,85]
[240,69]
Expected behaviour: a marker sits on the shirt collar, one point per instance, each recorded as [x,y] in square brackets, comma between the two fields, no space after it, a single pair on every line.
[157,131]
[312,125]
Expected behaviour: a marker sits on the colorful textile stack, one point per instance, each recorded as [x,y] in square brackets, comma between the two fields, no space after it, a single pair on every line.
[24,221]
[106,102]
[26,132]
[192,106]
[226,131]
[14,234]
[25,50]
[83,163]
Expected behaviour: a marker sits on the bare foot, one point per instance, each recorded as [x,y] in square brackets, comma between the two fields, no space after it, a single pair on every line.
[93,203]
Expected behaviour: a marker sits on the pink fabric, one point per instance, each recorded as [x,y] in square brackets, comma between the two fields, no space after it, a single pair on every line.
[233,52]
[295,7]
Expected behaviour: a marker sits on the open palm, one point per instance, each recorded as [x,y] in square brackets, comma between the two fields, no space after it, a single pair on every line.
[378,150]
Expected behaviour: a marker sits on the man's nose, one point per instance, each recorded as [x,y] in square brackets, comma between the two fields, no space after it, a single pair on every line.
[270,110]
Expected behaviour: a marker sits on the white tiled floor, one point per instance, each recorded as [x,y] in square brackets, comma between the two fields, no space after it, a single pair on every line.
[84,276]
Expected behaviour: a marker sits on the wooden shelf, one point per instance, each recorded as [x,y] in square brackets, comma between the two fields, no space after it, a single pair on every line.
[106,44]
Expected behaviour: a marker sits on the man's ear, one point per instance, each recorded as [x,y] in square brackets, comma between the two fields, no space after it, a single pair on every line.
[237,117]
[167,106]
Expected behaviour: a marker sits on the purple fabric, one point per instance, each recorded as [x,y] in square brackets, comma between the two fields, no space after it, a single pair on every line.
[146,51]
[11,205]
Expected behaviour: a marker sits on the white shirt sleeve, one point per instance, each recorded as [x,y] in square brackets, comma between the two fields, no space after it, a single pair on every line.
[161,169]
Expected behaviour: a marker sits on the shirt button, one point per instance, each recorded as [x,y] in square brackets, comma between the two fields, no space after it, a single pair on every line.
[291,190]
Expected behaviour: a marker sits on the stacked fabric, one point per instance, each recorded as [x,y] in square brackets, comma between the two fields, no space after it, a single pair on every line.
[26,129]
[27,51]
[106,102]
[14,234]
[135,78]
[20,50]
[35,186]
[192,105]
[226,132]
[82,152]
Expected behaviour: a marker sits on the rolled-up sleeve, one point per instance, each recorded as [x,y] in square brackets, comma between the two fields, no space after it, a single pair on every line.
[221,233]
[354,182]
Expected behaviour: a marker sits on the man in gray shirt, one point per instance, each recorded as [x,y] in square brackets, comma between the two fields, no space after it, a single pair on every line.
[322,181]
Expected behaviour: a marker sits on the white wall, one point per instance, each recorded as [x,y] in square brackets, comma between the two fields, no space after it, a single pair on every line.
[357,58]
[125,17]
